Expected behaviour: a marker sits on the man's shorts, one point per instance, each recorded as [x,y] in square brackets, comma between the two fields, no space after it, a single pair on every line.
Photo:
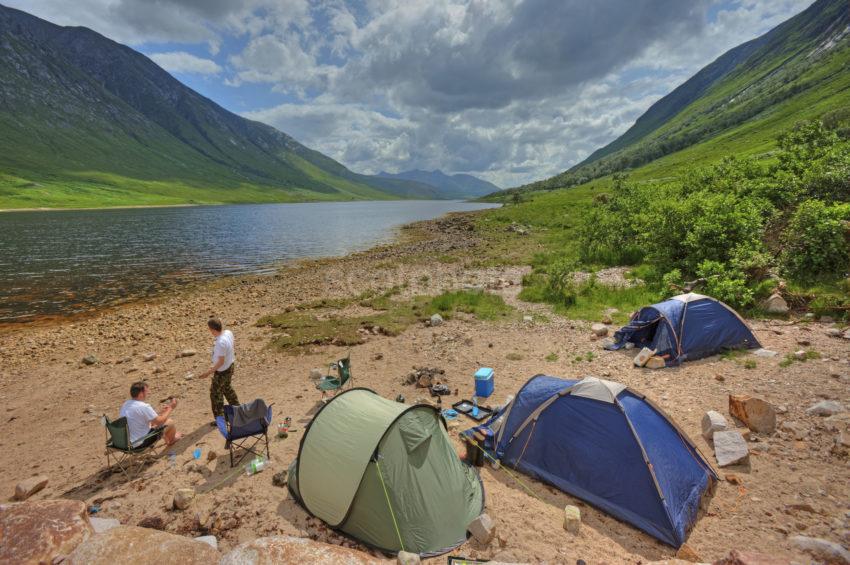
[154,436]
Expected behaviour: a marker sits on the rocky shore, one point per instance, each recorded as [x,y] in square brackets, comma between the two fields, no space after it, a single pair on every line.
[57,379]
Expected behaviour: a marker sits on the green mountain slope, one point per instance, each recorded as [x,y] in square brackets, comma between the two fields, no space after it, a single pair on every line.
[85,121]
[739,103]
[450,186]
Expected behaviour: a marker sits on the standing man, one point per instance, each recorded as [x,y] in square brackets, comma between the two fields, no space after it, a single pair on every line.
[223,363]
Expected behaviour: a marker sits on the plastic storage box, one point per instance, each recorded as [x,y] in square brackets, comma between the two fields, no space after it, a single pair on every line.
[484,384]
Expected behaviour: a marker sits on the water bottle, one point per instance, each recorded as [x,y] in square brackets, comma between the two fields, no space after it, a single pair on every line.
[474,406]
[172,459]
[255,466]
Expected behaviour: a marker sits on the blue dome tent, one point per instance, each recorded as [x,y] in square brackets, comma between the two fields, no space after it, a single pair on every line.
[687,327]
[607,445]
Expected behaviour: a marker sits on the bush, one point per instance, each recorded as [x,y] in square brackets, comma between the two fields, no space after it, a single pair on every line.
[726,284]
[815,241]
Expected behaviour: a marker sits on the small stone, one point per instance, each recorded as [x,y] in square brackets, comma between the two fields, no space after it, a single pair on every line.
[826,319]
[712,422]
[719,378]
[736,557]
[655,362]
[643,356]
[687,553]
[527,319]
[775,304]
[800,355]
[132,370]
[189,376]
[152,522]
[833,332]
[608,343]
[730,448]
[156,370]
[828,551]
[280,478]
[147,357]
[211,541]
[732,479]
[89,360]
[316,374]
[600,330]
[804,342]
[482,529]
[30,486]
[211,456]
[103,524]
[572,519]
[755,413]
[762,352]
[407,558]
[187,353]
[436,320]
[606,319]
[825,408]
[183,498]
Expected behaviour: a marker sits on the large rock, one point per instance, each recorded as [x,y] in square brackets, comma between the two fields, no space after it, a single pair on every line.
[483,529]
[775,304]
[141,546]
[101,525]
[285,549]
[600,330]
[755,413]
[730,448]
[825,408]
[751,558]
[712,422]
[30,486]
[39,531]
[822,550]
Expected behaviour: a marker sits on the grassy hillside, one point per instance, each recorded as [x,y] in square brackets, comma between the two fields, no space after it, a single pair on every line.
[86,121]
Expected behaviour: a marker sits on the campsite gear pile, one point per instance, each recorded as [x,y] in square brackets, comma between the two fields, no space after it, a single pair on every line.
[684,328]
[425,377]
[386,474]
[606,444]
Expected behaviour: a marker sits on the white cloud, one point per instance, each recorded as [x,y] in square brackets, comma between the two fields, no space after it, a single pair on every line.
[182,62]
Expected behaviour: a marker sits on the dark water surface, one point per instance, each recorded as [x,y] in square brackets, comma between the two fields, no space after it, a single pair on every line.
[67,262]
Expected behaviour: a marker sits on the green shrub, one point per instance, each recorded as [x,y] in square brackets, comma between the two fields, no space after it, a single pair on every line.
[815,241]
[726,284]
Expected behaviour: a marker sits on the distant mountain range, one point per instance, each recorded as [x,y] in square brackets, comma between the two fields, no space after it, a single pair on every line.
[457,186]
[85,121]
[739,103]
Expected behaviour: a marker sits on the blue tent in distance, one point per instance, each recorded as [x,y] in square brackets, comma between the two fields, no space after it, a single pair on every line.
[607,445]
[687,327]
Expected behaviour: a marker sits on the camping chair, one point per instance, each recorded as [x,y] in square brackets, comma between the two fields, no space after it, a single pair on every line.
[118,445]
[245,437]
[330,383]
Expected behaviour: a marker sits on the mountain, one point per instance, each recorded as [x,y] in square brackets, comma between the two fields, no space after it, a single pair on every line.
[85,121]
[740,102]
[457,186]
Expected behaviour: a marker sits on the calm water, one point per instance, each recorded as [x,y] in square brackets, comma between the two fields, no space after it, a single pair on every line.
[66,262]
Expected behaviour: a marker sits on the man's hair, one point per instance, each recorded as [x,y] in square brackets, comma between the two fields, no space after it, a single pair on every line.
[214,324]
[137,388]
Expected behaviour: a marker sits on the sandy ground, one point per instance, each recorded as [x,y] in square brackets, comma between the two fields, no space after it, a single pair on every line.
[797,481]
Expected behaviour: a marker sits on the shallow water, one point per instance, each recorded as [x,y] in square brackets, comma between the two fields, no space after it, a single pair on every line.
[68,262]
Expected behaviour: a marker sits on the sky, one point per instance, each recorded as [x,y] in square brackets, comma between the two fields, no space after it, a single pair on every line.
[511,91]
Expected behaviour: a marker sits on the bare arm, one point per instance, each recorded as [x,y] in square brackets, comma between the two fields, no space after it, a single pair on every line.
[164,413]
[219,361]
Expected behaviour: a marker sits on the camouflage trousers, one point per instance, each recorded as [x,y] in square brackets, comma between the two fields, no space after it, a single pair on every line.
[220,388]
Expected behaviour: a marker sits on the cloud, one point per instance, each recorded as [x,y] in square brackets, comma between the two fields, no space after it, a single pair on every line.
[182,62]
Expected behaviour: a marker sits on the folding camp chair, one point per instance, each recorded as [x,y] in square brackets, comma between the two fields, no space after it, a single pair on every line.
[245,437]
[118,445]
[331,383]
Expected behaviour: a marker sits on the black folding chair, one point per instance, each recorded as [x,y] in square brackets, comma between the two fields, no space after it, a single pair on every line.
[246,437]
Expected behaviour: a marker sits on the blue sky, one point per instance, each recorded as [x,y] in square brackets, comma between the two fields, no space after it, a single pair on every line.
[508,90]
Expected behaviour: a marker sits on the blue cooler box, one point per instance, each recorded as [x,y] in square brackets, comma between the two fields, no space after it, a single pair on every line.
[484,382]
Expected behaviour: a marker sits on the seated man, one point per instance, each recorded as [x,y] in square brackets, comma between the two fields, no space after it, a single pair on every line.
[142,419]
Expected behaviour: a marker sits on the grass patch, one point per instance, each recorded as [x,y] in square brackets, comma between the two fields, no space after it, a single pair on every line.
[552,357]
[790,358]
[513,356]
[322,323]
[750,364]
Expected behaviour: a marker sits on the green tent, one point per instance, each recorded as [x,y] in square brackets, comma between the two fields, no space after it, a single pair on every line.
[386,474]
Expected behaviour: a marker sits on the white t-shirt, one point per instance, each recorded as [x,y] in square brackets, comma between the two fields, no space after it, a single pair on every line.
[139,415]
[224,348]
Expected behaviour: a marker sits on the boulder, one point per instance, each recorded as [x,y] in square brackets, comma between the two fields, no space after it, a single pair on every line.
[30,486]
[755,413]
[101,525]
[775,304]
[141,546]
[483,529]
[407,558]
[600,330]
[736,557]
[712,422]
[40,530]
[572,519]
[655,362]
[183,498]
[730,448]
[823,550]
[286,549]
[825,408]
[436,320]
